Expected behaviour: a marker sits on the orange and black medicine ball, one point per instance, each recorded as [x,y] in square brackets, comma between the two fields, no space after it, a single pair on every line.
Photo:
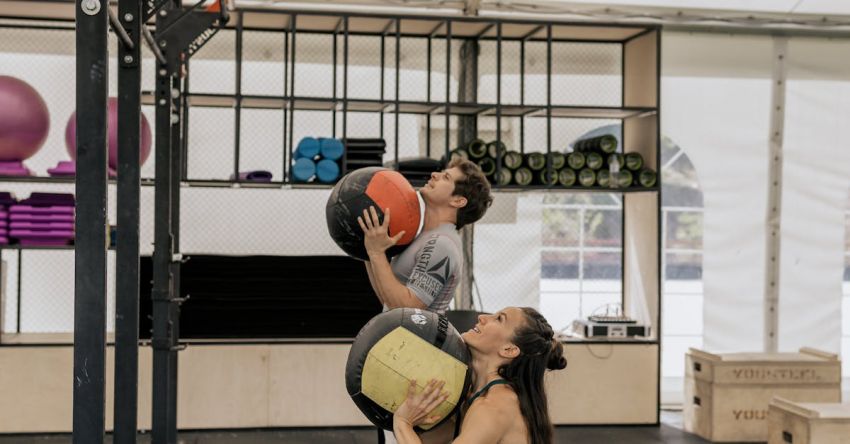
[381,188]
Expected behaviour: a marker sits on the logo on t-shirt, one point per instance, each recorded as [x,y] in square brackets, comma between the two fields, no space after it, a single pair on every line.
[441,270]
[427,277]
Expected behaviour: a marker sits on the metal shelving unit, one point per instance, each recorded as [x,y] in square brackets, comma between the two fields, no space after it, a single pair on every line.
[450,31]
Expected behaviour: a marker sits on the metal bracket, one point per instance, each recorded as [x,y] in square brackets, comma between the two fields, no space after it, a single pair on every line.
[152,6]
[165,344]
[180,301]
[181,35]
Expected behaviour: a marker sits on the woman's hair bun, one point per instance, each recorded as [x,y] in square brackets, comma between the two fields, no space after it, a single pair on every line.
[557,361]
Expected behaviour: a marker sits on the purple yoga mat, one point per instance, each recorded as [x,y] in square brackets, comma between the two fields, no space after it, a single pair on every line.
[15,171]
[41,226]
[63,168]
[54,235]
[7,198]
[26,217]
[48,199]
[255,176]
[53,209]
[4,240]
[67,168]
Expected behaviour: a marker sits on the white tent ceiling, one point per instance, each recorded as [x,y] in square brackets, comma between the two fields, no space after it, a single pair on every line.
[822,15]
[828,7]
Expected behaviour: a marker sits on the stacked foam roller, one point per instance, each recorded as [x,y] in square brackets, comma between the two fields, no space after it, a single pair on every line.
[593,162]
[317,160]
[596,162]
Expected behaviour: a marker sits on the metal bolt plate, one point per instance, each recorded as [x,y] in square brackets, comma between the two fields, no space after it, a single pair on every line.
[90,7]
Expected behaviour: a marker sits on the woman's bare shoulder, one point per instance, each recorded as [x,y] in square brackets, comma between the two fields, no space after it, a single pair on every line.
[501,398]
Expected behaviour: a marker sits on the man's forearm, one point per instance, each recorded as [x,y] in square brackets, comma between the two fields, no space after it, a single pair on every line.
[394,294]
[375,285]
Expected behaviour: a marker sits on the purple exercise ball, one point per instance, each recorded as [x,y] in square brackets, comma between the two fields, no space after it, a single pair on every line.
[112,124]
[24,120]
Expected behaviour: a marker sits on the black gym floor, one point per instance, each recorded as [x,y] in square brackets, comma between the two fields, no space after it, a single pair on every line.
[667,432]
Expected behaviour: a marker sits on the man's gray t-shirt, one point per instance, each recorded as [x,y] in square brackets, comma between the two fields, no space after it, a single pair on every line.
[430,267]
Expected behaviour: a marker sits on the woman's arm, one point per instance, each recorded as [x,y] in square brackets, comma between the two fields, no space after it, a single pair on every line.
[416,410]
[484,423]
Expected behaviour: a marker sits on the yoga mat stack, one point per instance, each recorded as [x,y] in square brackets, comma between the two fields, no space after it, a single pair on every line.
[418,170]
[43,219]
[6,201]
[362,153]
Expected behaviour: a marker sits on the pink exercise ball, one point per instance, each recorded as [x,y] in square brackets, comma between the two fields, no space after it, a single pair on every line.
[112,137]
[24,120]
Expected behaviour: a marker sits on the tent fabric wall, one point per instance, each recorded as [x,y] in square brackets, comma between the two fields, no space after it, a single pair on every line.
[716,102]
[711,84]
[816,179]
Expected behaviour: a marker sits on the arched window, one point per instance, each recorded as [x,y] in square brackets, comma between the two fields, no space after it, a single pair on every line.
[682,246]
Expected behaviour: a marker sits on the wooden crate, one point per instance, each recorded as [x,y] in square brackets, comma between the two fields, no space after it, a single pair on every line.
[792,422]
[727,395]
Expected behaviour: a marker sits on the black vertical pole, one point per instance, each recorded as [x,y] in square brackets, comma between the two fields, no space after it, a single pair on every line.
[428,99]
[333,80]
[127,244]
[548,98]
[164,355]
[174,265]
[184,138]
[293,33]
[448,84]
[383,66]
[345,79]
[89,393]
[20,266]
[285,94]
[498,96]
[397,79]
[522,95]
[237,121]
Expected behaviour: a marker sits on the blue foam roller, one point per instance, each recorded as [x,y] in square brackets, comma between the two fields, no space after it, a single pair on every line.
[327,171]
[331,148]
[303,170]
[308,148]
